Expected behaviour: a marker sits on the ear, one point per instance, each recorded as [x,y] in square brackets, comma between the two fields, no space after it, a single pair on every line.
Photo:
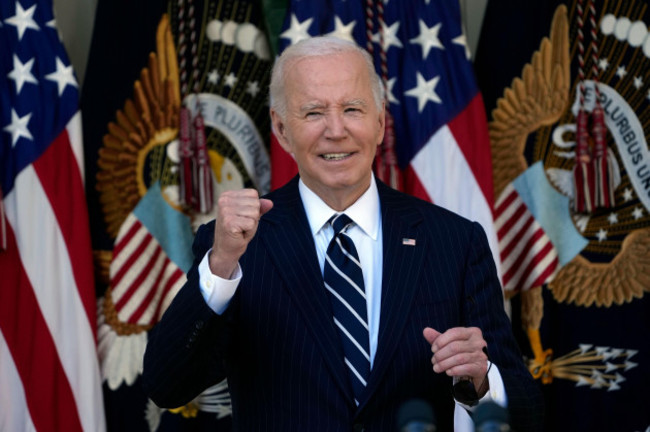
[279,129]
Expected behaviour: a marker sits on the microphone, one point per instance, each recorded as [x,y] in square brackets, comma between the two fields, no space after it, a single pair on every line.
[415,415]
[491,417]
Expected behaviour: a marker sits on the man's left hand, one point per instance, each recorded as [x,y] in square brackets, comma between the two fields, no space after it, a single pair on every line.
[459,352]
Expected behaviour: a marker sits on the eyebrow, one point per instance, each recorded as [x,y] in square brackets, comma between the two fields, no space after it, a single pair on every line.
[319,105]
[312,106]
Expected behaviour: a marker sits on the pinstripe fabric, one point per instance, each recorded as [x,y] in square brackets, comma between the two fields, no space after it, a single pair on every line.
[280,349]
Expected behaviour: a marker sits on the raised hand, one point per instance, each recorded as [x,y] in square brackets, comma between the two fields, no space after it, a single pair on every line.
[237,219]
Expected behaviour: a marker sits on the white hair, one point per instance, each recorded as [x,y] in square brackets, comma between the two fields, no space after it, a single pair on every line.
[319,46]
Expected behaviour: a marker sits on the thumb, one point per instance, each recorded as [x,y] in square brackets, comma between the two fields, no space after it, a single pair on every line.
[265,205]
[430,335]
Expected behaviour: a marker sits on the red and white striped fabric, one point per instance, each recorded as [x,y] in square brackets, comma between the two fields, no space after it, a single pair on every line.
[454,170]
[528,256]
[144,280]
[49,369]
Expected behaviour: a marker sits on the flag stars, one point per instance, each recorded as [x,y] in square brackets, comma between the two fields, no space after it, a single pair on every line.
[601,235]
[428,38]
[638,82]
[603,64]
[390,36]
[297,30]
[63,76]
[637,213]
[462,41]
[612,218]
[253,88]
[425,91]
[23,20]
[621,72]
[230,80]
[213,77]
[343,31]
[627,194]
[18,127]
[22,73]
[389,91]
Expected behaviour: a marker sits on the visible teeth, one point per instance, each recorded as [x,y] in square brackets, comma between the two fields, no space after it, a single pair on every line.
[335,156]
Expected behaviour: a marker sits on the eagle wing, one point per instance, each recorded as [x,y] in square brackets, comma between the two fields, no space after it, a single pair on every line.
[593,284]
[150,118]
[536,99]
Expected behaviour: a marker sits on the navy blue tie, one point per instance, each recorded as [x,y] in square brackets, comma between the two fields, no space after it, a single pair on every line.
[344,282]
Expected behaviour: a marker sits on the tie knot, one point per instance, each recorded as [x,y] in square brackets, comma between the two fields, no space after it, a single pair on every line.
[340,222]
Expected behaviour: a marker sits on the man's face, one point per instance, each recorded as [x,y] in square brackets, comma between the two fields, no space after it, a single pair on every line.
[332,126]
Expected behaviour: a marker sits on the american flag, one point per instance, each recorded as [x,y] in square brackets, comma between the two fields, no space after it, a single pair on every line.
[528,257]
[440,132]
[49,371]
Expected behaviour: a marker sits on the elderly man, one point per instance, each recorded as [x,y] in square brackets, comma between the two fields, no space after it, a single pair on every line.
[333,300]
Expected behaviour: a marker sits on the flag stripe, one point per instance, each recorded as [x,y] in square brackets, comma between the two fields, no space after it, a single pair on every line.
[133,254]
[513,220]
[145,283]
[171,288]
[150,311]
[442,156]
[61,180]
[471,132]
[138,264]
[125,240]
[47,390]
[47,264]
[512,266]
[534,261]
[508,243]
[544,267]
[12,394]
[540,246]
[507,197]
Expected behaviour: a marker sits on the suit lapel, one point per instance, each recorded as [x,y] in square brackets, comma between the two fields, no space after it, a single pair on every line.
[288,239]
[401,269]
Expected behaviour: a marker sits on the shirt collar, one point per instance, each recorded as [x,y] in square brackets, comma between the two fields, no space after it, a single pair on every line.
[364,212]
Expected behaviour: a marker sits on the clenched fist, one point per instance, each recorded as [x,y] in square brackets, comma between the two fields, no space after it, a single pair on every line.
[237,218]
[459,352]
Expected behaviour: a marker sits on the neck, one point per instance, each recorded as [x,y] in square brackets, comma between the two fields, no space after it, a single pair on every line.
[340,199]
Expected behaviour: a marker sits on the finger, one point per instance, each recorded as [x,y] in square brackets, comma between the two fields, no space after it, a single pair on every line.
[464,361]
[265,205]
[430,335]
[474,370]
[460,334]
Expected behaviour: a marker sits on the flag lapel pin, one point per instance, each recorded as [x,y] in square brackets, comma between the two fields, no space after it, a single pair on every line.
[408,242]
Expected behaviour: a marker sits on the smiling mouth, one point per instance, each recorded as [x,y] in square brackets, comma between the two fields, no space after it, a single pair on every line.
[335,156]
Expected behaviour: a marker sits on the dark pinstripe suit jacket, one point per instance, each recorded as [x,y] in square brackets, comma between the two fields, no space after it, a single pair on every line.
[279,348]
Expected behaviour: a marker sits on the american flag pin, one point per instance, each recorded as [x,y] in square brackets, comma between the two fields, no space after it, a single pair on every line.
[408,242]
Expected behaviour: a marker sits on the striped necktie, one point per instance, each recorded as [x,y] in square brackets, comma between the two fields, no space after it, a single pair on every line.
[344,282]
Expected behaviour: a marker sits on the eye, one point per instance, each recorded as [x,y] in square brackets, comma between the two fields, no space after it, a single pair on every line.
[313,114]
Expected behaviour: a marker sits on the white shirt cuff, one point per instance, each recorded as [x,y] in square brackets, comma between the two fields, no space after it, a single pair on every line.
[216,290]
[496,394]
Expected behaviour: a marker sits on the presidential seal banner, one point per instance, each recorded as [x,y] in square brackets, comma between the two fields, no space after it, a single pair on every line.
[567,87]
[178,113]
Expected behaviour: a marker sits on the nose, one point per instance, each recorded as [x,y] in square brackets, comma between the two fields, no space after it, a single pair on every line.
[335,126]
